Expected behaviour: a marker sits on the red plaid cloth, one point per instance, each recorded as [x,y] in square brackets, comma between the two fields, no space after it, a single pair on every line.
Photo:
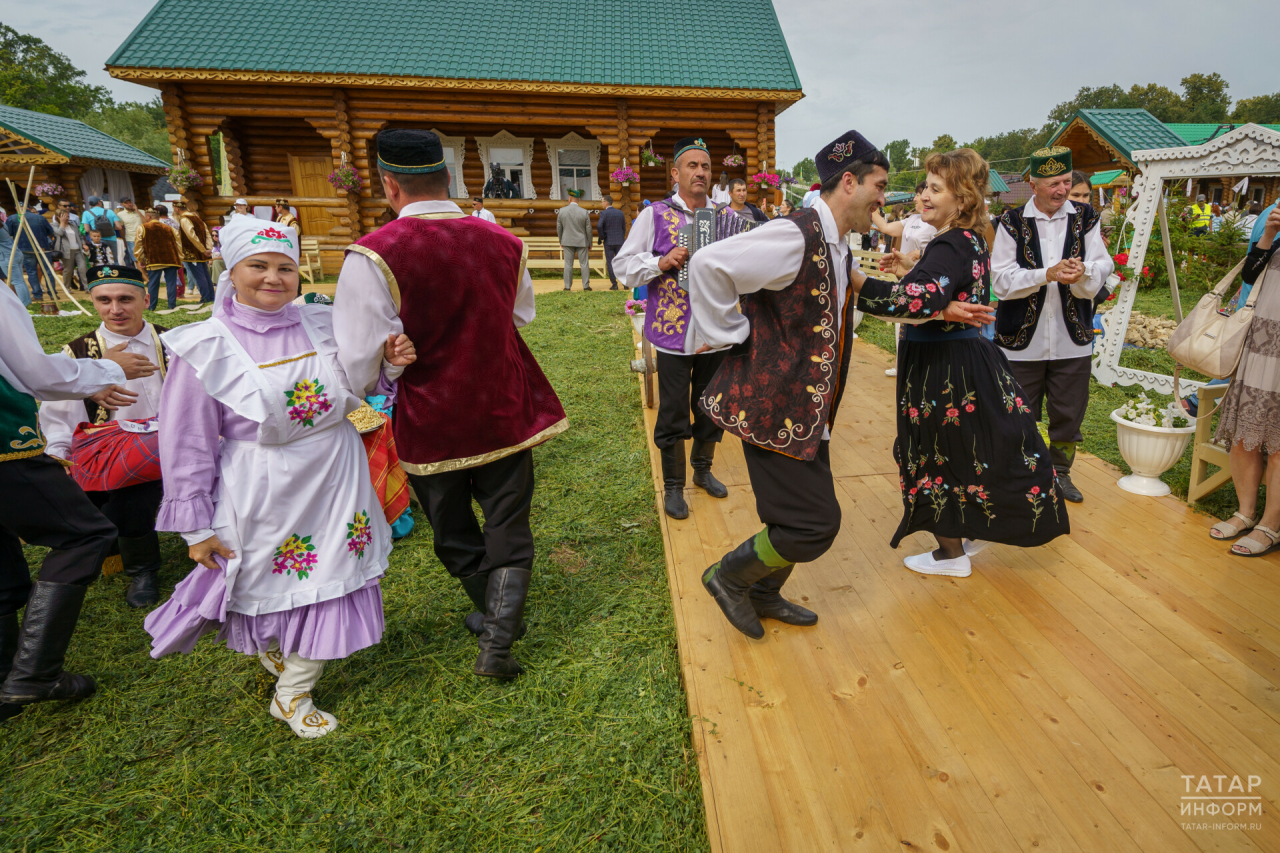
[107,457]
[389,479]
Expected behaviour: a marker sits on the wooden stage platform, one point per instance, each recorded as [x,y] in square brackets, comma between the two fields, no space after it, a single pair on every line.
[1055,700]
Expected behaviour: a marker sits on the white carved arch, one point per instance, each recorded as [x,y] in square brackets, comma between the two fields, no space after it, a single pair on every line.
[569,142]
[458,145]
[504,139]
[1249,150]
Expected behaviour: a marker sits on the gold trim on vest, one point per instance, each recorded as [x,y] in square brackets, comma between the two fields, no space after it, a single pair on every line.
[392,285]
[485,458]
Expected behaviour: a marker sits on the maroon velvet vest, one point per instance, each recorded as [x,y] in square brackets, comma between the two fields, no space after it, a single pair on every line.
[780,387]
[476,393]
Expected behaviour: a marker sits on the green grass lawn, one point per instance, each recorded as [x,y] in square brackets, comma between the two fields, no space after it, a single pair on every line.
[590,749]
[1099,430]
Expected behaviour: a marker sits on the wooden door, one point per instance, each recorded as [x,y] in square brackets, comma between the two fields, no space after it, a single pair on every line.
[311,180]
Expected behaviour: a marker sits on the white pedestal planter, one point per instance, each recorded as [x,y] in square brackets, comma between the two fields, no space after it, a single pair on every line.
[1149,451]
[637,323]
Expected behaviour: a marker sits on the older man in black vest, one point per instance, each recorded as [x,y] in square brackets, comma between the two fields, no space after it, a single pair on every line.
[1048,263]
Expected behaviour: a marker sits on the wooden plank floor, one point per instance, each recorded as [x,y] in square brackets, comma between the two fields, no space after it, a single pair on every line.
[1053,701]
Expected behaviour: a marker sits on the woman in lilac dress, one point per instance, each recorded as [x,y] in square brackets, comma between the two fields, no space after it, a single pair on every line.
[267,480]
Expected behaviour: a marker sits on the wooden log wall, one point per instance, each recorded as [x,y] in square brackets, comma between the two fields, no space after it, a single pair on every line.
[263,124]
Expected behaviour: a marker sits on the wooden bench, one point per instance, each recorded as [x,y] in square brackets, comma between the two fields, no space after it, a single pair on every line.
[1205,452]
[546,253]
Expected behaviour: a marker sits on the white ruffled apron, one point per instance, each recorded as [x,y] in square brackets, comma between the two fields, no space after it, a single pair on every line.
[296,506]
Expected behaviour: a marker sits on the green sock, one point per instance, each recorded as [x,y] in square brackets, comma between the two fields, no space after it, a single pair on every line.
[765,551]
[1066,448]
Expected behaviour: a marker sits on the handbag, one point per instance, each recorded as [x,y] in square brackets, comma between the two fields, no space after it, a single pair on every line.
[1209,340]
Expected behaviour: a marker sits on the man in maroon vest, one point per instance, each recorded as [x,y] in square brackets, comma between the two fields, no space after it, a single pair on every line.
[471,408]
[779,387]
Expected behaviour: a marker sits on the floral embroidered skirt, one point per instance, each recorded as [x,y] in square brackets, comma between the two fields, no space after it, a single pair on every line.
[971,461]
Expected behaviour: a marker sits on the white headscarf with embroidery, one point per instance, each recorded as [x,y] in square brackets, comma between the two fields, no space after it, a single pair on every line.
[245,236]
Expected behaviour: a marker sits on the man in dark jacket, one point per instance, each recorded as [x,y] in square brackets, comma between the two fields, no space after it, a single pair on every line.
[611,230]
[30,263]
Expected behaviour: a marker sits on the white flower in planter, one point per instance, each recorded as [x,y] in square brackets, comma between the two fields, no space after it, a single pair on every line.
[1151,440]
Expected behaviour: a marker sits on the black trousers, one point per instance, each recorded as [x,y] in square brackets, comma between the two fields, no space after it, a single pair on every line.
[1065,382]
[41,504]
[681,381]
[131,509]
[796,500]
[504,490]
[610,252]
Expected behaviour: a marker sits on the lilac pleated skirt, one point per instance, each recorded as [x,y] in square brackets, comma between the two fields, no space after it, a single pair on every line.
[330,630]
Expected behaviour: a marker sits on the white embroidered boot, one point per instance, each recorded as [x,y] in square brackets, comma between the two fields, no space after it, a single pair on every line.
[272,660]
[292,703]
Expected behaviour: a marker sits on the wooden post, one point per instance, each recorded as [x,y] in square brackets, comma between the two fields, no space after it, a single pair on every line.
[175,116]
[235,161]
[616,154]
[764,116]
[1168,259]
[343,150]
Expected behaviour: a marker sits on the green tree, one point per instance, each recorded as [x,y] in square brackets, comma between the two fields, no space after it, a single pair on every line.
[899,153]
[945,142]
[141,125]
[1006,150]
[1205,98]
[1090,98]
[34,76]
[1263,109]
[806,171]
[1161,101]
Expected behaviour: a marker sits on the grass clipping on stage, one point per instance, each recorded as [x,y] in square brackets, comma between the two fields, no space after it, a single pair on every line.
[589,749]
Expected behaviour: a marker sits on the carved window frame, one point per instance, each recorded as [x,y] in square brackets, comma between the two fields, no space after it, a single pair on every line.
[1249,150]
[458,144]
[573,142]
[504,139]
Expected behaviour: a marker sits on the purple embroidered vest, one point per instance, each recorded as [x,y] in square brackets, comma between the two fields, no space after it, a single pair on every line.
[667,313]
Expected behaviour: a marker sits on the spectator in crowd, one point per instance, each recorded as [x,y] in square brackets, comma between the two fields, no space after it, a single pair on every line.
[8,249]
[1081,188]
[74,218]
[477,210]
[197,249]
[611,231]
[813,193]
[720,192]
[68,241]
[159,255]
[1251,216]
[43,234]
[786,208]
[97,251]
[1250,423]
[284,215]
[240,208]
[1215,220]
[131,219]
[97,215]
[573,229]
[738,202]
[1201,217]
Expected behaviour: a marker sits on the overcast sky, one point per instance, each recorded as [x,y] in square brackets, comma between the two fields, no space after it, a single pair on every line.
[906,68]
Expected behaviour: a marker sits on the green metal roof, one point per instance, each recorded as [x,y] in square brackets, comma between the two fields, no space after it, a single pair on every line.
[613,42]
[1127,131]
[1195,134]
[1101,179]
[72,138]
[995,183]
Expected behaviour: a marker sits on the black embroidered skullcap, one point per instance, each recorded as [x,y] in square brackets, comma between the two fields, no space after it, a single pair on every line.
[836,156]
[108,273]
[409,151]
[687,144]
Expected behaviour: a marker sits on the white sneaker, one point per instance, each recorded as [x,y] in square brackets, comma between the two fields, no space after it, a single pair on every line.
[892,371]
[925,564]
[973,546]
[303,717]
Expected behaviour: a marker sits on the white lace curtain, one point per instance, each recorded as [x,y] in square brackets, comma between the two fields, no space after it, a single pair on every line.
[109,184]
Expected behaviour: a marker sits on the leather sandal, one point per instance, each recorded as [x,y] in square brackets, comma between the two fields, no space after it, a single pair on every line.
[1254,548]
[1224,530]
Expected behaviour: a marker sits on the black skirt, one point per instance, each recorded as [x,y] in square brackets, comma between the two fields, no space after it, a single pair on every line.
[971,461]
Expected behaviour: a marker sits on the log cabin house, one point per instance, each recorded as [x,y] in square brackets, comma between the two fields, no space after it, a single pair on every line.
[557,95]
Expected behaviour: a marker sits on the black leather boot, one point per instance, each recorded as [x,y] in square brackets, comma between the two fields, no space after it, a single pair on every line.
[1068,488]
[47,626]
[8,648]
[508,588]
[477,588]
[729,582]
[700,457]
[766,598]
[673,480]
[141,558]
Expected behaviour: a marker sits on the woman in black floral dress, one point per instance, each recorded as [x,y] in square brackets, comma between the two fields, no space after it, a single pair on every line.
[973,465]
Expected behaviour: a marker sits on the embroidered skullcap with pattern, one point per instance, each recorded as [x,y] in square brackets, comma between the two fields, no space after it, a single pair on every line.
[410,152]
[1051,162]
[115,273]
[836,156]
[576,193]
[689,143]
[244,236]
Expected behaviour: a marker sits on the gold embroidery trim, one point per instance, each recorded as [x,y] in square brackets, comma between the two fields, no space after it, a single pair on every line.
[293,705]
[286,360]
[485,458]
[392,284]
[24,454]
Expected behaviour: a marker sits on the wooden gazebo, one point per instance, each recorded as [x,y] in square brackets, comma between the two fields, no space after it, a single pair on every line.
[84,161]
[296,93]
